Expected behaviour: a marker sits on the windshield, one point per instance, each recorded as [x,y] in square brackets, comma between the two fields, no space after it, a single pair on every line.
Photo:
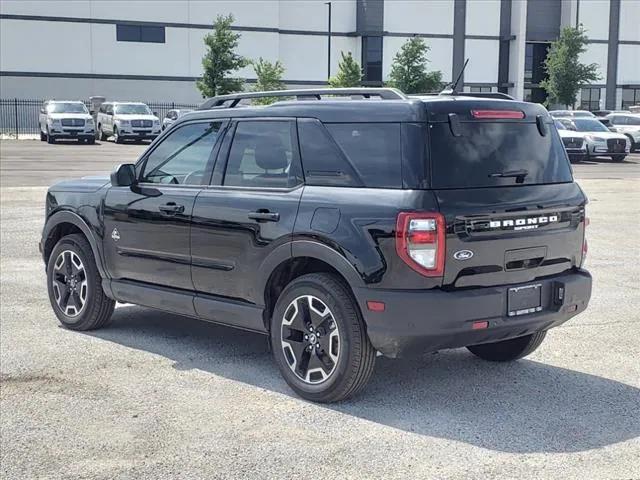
[67,107]
[486,153]
[130,108]
[588,125]
[583,114]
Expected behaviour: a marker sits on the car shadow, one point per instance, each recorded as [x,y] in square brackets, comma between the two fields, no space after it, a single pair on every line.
[521,407]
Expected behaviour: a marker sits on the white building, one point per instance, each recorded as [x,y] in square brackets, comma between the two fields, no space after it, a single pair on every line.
[152,50]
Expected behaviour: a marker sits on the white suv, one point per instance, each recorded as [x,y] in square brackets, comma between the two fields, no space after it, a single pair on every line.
[127,120]
[61,119]
[629,124]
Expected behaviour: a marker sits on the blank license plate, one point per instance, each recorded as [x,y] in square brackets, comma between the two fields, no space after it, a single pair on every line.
[524,300]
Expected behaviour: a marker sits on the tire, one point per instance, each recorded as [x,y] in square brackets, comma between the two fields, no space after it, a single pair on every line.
[618,158]
[117,138]
[103,137]
[633,146]
[343,360]
[75,314]
[508,350]
[91,141]
[50,138]
[43,136]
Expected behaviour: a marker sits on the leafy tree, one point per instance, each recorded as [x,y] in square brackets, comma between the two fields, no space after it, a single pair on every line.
[221,59]
[565,73]
[269,76]
[409,69]
[349,73]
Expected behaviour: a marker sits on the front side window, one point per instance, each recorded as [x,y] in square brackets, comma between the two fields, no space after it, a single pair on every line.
[183,157]
[262,156]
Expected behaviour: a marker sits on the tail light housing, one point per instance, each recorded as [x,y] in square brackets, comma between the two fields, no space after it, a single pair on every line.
[420,241]
[585,245]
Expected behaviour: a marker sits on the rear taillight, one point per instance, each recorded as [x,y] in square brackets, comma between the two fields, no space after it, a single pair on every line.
[420,241]
[585,245]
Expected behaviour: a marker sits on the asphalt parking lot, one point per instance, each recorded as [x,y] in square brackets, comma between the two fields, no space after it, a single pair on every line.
[161,396]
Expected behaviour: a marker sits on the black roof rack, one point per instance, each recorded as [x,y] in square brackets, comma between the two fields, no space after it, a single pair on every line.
[498,95]
[233,99]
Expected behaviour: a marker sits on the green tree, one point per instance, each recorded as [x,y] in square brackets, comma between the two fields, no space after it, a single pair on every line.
[269,77]
[565,73]
[220,60]
[409,69]
[349,73]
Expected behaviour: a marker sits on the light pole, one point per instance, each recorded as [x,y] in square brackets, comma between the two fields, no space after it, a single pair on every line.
[329,43]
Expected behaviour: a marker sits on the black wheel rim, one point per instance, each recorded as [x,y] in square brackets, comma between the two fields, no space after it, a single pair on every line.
[310,339]
[69,282]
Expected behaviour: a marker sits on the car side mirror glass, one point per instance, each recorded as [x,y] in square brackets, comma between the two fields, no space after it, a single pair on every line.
[155,113]
[124,175]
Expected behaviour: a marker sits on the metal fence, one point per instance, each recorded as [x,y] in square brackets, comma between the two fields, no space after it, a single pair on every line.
[20,116]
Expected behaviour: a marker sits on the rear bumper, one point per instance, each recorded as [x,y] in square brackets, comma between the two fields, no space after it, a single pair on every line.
[416,322]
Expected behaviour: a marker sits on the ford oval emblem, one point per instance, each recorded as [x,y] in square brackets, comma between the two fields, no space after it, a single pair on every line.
[463,255]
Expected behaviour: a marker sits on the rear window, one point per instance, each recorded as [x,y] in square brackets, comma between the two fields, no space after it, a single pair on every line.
[486,149]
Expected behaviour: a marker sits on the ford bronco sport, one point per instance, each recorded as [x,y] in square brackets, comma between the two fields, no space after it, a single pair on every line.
[340,228]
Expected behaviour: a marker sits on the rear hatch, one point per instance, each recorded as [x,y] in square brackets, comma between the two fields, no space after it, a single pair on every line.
[504,185]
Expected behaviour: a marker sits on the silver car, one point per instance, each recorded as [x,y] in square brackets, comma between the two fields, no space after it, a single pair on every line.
[571,114]
[66,119]
[173,115]
[627,124]
[601,142]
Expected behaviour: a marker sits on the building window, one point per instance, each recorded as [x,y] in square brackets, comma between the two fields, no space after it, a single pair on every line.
[590,99]
[630,97]
[480,90]
[139,33]
[534,57]
[372,59]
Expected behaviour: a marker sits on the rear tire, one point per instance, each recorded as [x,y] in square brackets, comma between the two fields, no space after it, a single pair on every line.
[102,136]
[319,339]
[508,350]
[75,285]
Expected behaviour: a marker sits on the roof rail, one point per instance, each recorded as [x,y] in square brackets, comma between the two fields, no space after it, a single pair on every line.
[233,99]
[498,95]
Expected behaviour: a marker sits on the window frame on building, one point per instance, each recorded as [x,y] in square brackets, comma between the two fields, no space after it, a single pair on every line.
[140,33]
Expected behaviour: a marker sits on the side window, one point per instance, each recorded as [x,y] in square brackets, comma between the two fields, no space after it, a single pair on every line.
[373,149]
[323,162]
[262,155]
[182,157]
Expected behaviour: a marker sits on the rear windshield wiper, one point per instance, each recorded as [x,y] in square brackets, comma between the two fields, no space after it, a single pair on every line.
[518,174]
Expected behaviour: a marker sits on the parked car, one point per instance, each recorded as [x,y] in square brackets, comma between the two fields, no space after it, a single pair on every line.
[629,125]
[574,142]
[330,227]
[571,113]
[127,121]
[173,115]
[604,113]
[600,140]
[66,119]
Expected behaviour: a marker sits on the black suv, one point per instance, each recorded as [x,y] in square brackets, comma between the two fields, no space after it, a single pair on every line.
[341,228]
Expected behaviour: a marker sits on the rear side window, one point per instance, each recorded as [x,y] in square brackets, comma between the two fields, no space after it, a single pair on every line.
[262,155]
[486,149]
[373,150]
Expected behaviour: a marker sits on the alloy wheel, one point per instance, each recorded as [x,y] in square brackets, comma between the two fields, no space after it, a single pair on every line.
[70,285]
[310,339]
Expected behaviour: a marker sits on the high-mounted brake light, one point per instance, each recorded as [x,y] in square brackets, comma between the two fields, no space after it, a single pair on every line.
[497,114]
[420,241]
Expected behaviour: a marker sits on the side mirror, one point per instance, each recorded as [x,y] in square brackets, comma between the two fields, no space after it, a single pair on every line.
[124,175]
[605,121]
[156,114]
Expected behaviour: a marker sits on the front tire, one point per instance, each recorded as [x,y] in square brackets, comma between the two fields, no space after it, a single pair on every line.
[116,136]
[102,136]
[319,340]
[508,350]
[50,138]
[618,158]
[75,285]
[43,136]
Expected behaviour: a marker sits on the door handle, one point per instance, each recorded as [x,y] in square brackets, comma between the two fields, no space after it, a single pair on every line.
[171,208]
[264,216]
